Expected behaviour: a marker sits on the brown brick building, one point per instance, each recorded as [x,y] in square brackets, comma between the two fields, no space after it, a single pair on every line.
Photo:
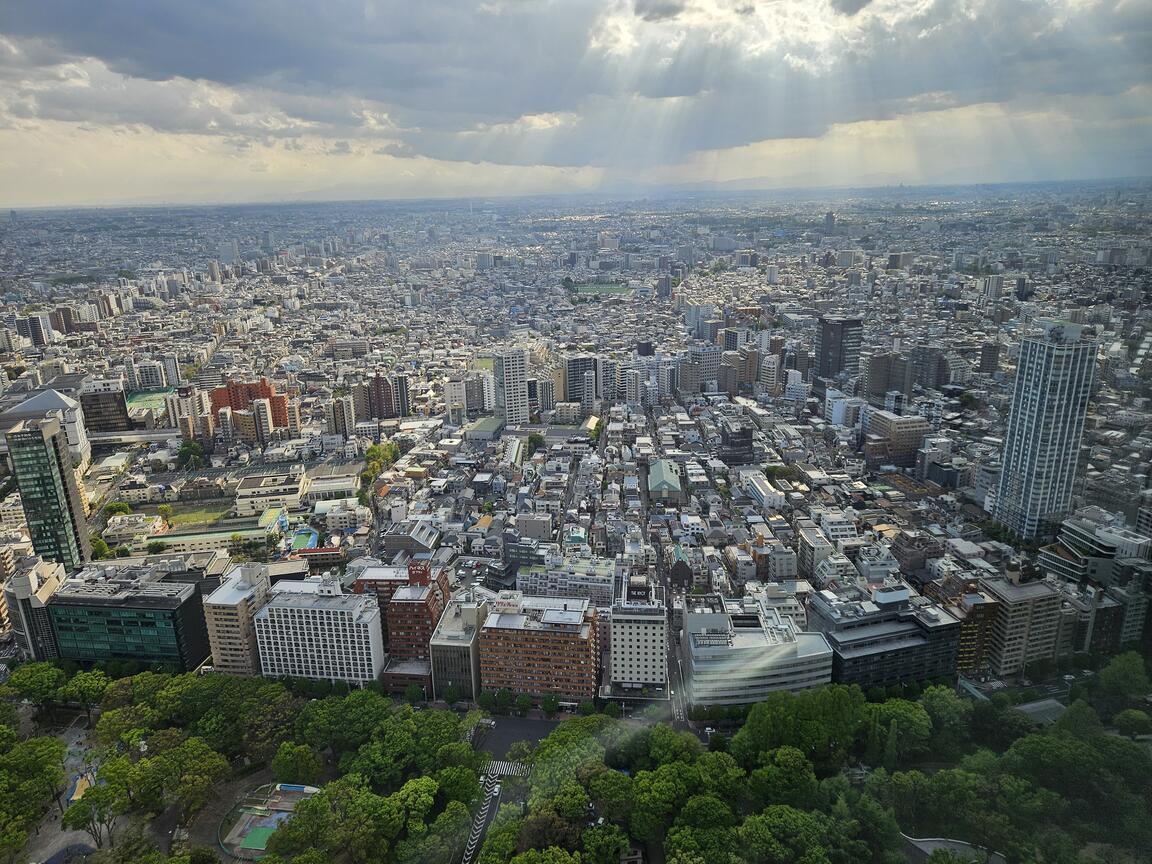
[414,610]
[541,646]
[410,617]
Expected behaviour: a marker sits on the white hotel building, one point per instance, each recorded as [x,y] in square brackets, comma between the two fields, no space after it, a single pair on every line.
[309,629]
[638,640]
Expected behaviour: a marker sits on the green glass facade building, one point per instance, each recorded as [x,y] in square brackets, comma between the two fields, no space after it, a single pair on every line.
[151,623]
[49,493]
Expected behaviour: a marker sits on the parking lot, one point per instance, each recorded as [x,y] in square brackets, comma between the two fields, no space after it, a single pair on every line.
[509,729]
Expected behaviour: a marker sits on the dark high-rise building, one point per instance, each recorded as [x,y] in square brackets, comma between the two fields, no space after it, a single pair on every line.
[380,403]
[884,373]
[400,396]
[49,493]
[40,329]
[387,397]
[575,368]
[104,405]
[989,358]
[735,441]
[546,394]
[929,366]
[837,346]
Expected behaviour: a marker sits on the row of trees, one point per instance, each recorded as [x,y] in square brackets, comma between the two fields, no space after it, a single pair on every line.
[505,701]
[408,782]
[45,683]
[701,806]
[777,791]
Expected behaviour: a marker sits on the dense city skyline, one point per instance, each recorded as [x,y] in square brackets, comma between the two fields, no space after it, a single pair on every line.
[872,466]
[187,103]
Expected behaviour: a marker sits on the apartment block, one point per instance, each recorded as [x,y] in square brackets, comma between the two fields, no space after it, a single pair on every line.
[541,645]
[597,579]
[1026,624]
[409,621]
[454,648]
[638,640]
[812,547]
[26,596]
[229,613]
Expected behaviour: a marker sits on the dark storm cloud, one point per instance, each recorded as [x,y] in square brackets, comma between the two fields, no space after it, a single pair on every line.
[567,82]
[848,7]
[658,10]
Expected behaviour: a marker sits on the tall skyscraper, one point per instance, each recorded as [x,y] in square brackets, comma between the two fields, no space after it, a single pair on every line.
[49,493]
[511,376]
[400,395]
[576,368]
[1046,423]
[837,345]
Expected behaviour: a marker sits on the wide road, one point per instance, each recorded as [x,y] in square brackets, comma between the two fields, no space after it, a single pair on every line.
[488,808]
[676,685]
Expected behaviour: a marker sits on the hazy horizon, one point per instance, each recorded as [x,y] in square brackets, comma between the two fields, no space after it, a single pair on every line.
[799,194]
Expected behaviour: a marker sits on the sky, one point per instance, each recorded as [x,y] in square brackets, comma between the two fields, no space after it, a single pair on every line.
[205,101]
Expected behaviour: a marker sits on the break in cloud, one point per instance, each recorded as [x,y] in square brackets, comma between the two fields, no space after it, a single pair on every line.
[234,99]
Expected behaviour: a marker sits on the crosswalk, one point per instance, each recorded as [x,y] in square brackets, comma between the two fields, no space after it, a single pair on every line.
[500,768]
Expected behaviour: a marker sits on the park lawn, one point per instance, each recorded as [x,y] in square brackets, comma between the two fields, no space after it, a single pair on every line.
[200,514]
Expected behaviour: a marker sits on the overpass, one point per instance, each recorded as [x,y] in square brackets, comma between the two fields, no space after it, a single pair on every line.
[135,436]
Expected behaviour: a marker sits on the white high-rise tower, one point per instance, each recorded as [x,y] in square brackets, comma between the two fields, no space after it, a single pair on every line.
[511,374]
[1042,446]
